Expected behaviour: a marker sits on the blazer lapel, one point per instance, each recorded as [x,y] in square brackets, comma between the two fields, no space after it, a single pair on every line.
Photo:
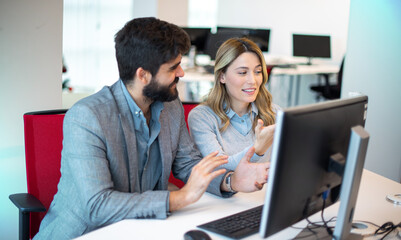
[127,125]
[165,148]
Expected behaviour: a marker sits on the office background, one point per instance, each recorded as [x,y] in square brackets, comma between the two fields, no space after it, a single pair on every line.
[31,53]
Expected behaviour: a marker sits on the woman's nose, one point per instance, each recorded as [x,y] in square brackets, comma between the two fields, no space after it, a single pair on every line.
[251,78]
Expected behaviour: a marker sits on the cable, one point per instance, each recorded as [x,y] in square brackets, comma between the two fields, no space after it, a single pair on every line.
[386,229]
[328,229]
[316,225]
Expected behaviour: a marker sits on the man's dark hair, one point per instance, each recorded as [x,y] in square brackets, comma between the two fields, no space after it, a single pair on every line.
[148,43]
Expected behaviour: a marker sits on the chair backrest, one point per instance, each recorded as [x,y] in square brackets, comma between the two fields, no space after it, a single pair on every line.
[43,143]
[188,106]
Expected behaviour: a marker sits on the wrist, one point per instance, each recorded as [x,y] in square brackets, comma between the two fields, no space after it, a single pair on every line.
[259,150]
[179,199]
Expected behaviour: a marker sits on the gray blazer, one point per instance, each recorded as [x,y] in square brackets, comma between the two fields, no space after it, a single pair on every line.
[99,169]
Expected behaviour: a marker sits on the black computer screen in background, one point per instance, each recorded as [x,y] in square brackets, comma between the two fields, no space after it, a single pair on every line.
[259,36]
[311,46]
[198,37]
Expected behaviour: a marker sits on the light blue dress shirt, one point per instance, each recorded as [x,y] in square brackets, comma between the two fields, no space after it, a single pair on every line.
[243,125]
[149,157]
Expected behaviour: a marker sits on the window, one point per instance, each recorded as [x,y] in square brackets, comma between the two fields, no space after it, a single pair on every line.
[88,41]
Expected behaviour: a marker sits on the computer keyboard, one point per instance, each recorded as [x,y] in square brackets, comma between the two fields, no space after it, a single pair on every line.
[238,225]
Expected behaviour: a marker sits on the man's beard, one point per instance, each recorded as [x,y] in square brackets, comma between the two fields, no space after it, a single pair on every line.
[156,92]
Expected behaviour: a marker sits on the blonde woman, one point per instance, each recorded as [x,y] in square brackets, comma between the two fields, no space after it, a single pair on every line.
[238,113]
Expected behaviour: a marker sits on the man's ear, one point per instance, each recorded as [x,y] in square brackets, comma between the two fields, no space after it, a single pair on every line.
[143,75]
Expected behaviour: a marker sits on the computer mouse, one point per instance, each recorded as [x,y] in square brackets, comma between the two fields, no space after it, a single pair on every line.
[196,235]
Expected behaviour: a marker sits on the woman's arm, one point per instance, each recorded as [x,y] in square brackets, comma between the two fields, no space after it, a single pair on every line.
[204,128]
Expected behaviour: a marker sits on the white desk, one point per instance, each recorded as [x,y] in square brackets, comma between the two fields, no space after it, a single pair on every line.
[298,71]
[195,84]
[371,206]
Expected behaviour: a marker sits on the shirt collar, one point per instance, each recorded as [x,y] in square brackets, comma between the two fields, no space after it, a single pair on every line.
[230,113]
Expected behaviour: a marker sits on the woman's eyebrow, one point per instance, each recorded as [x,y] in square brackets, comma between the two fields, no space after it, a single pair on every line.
[242,67]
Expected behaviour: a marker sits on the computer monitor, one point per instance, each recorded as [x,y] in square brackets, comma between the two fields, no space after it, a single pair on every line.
[259,36]
[198,37]
[311,144]
[311,46]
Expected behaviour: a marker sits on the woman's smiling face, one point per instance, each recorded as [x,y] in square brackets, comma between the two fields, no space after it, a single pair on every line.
[242,80]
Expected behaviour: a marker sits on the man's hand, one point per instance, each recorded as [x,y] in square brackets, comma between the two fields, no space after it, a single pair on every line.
[201,176]
[249,177]
[263,137]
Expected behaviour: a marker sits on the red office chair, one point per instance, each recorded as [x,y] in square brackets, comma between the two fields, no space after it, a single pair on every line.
[188,106]
[43,144]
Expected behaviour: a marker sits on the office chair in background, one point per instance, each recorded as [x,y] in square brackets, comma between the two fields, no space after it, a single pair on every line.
[329,91]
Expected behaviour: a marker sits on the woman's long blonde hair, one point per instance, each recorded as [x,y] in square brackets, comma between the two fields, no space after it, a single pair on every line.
[226,54]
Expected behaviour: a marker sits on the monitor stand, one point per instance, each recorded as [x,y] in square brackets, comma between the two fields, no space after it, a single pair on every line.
[309,61]
[349,190]
[320,233]
[192,57]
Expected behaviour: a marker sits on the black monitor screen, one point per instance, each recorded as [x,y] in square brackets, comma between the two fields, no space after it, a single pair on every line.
[215,40]
[260,36]
[311,46]
[198,37]
[306,139]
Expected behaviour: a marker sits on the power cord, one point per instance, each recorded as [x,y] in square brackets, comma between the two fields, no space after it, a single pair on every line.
[321,224]
[328,229]
[386,229]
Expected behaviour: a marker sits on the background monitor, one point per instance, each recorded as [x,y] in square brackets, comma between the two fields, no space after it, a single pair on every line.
[215,40]
[259,36]
[198,37]
[311,46]
[307,140]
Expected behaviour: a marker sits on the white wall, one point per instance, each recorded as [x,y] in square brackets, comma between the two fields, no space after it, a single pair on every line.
[167,10]
[145,8]
[372,67]
[30,77]
[285,17]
